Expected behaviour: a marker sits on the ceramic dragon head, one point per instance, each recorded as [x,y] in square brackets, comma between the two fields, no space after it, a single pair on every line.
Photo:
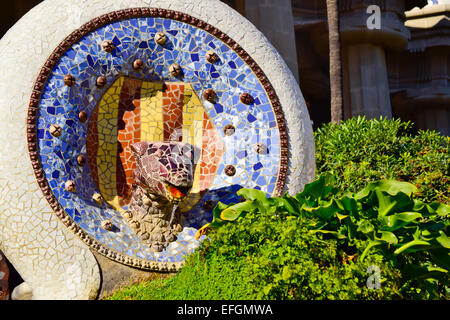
[164,168]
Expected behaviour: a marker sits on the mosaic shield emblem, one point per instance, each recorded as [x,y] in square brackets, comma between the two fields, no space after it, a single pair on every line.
[133,111]
[151,75]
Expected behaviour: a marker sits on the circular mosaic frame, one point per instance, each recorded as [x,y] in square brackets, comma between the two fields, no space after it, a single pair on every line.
[45,72]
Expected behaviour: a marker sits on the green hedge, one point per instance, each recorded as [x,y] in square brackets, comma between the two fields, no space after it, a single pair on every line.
[360,151]
[317,245]
[264,257]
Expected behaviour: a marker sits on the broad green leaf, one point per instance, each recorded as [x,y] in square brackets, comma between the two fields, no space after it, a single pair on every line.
[326,211]
[388,237]
[433,208]
[347,204]
[441,257]
[252,194]
[290,204]
[440,208]
[434,269]
[392,187]
[350,228]
[425,272]
[233,212]
[443,240]
[219,208]
[411,244]
[417,270]
[428,234]
[262,202]
[398,220]
[419,206]
[316,190]
[386,203]
[341,217]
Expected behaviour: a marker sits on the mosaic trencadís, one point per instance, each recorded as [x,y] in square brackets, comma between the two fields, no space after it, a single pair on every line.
[152,79]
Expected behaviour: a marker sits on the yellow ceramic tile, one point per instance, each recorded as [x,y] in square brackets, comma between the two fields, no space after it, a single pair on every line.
[193,134]
[107,138]
[151,112]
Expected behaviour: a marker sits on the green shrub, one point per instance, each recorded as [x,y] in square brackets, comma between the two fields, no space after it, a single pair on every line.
[383,218]
[267,257]
[212,279]
[359,151]
[289,262]
[318,246]
[321,243]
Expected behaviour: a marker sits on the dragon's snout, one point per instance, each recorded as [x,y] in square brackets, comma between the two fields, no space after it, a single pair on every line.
[179,186]
[165,168]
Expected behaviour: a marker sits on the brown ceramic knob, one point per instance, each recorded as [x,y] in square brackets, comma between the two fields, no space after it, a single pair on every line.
[101,81]
[108,45]
[69,80]
[138,64]
[175,70]
[230,170]
[160,38]
[55,130]
[81,160]
[246,98]
[229,130]
[210,95]
[107,225]
[83,116]
[211,56]
[71,186]
[97,197]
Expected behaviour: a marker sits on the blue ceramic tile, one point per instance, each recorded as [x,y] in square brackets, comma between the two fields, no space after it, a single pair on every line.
[187,45]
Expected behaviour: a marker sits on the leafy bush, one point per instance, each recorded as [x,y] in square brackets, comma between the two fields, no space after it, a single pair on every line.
[289,262]
[317,245]
[359,151]
[267,257]
[408,234]
[212,279]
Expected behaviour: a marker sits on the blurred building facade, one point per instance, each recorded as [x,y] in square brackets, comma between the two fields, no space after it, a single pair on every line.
[400,69]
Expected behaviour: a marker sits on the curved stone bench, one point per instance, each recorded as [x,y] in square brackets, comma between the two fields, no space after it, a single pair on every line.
[58,254]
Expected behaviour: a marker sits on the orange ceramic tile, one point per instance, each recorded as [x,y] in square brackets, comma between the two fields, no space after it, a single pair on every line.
[130,114]
[211,155]
[173,112]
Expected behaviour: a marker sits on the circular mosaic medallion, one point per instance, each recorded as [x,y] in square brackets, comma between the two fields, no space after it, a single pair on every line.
[151,75]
